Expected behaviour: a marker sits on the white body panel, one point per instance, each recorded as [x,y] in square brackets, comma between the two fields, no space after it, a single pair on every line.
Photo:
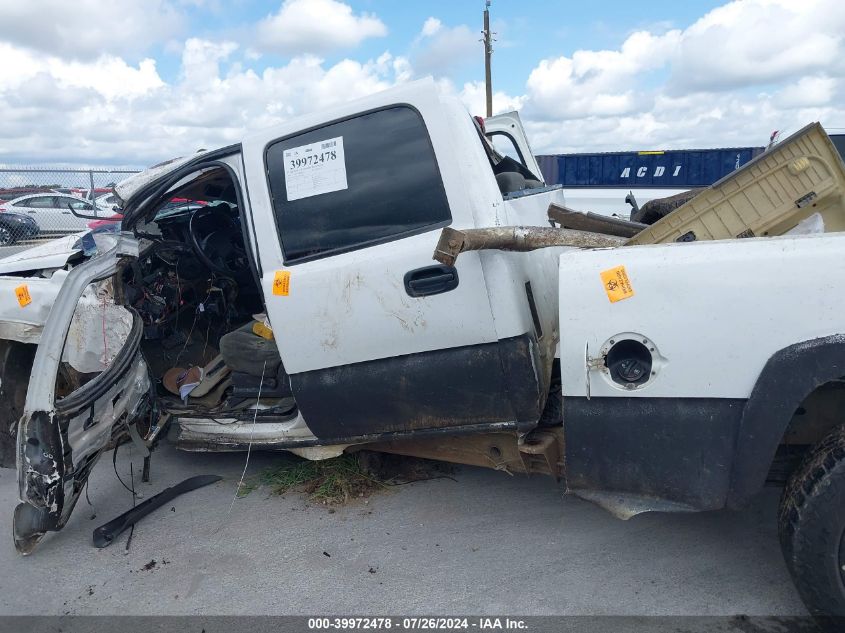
[336,315]
[24,323]
[508,272]
[715,311]
[337,303]
[52,254]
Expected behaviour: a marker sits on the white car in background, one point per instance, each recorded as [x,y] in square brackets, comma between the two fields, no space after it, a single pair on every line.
[108,202]
[52,211]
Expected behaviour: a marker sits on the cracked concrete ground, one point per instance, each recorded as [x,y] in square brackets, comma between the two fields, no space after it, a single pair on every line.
[488,543]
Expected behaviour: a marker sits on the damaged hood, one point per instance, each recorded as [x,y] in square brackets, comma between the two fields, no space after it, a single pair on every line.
[53,254]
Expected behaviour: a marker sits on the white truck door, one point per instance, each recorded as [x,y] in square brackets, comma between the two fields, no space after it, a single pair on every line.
[507,135]
[375,335]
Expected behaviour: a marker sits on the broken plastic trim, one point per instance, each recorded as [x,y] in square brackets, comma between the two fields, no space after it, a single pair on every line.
[106,533]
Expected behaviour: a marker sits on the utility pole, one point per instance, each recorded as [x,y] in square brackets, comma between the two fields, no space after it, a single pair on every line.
[488,51]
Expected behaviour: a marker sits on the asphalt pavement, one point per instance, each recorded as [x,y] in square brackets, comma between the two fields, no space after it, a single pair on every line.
[486,543]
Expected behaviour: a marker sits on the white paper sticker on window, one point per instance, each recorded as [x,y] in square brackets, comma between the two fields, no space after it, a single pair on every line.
[314,169]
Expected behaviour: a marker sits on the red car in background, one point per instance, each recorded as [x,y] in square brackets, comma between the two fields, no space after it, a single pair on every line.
[176,204]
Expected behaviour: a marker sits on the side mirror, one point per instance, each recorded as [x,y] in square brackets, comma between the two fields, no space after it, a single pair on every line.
[85,216]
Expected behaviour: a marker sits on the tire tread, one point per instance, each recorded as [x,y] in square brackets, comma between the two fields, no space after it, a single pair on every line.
[805,510]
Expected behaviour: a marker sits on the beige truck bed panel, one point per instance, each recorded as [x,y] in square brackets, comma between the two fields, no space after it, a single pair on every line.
[798,177]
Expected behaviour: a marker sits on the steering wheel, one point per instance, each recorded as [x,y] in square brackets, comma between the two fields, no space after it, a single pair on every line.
[221,249]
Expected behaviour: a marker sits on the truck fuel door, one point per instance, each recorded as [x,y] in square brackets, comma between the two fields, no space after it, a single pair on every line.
[627,361]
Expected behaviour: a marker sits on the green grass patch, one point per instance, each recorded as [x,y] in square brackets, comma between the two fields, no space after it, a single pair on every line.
[330,481]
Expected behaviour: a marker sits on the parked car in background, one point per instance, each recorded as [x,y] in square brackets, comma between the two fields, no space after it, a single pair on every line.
[15,227]
[52,211]
[176,206]
[108,201]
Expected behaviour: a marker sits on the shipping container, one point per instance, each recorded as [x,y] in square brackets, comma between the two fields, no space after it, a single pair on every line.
[672,169]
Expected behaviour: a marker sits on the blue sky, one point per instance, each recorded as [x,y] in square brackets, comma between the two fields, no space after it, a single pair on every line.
[526,30]
[138,81]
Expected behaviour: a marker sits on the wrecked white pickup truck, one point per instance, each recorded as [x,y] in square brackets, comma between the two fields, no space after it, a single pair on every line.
[295,306]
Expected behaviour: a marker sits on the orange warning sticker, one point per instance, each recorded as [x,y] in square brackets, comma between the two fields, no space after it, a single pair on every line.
[281,283]
[616,284]
[22,293]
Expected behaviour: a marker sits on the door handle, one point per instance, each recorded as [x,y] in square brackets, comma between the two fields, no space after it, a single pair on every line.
[431,280]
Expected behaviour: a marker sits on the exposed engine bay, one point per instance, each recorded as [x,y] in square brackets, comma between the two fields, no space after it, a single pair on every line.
[206,340]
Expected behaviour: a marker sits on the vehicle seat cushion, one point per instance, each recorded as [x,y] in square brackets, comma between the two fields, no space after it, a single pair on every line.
[244,351]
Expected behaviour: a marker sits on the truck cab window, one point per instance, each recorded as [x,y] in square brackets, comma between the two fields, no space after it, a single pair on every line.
[376,180]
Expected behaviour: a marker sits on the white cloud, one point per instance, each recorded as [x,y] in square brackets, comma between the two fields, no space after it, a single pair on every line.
[107,111]
[730,78]
[111,77]
[474,97]
[316,26]
[734,75]
[599,83]
[757,42]
[439,49]
[88,29]
[430,27]
[690,121]
[807,92]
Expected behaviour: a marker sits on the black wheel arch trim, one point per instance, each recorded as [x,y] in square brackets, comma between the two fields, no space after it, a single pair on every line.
[788,377]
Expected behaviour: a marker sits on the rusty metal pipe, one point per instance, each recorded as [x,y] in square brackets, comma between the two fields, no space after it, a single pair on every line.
[453,242]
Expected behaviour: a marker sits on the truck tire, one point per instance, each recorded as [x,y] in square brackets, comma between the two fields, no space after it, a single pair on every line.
[15,365]
[811,525]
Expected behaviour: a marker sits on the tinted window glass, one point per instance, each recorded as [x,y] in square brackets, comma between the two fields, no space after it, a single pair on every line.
[79,205]
[40,202]
[393,185]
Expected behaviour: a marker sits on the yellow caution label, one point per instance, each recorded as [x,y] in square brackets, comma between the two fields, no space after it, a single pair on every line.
[22,293]
[281,283]
[616,284]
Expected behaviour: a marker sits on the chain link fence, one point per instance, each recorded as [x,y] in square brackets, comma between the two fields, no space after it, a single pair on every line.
[38,204]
